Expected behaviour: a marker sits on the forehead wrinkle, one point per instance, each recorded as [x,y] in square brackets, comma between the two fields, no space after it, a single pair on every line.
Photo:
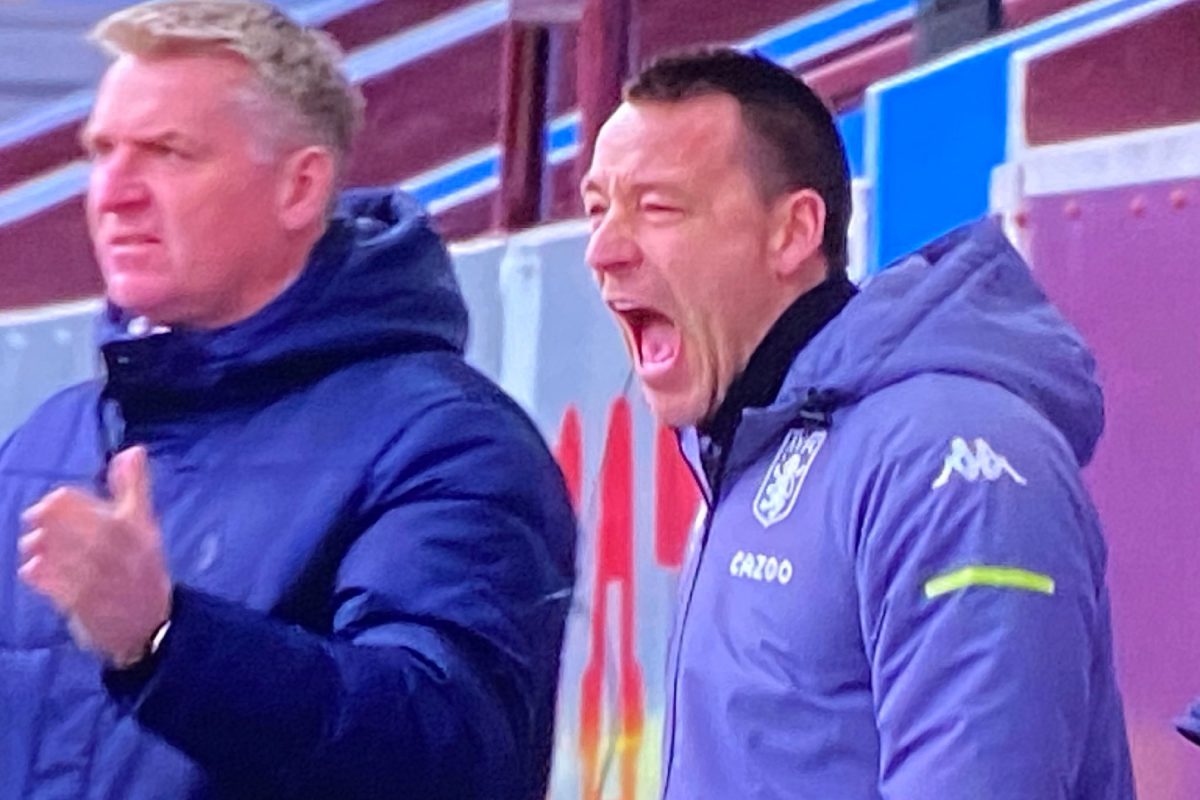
[699,143]
[144,82]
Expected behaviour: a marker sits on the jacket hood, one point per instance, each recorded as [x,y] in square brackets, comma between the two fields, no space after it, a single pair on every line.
[378,282]
[966,305]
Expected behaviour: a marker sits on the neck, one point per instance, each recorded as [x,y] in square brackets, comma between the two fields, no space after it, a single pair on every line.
[286,271]
[758,384]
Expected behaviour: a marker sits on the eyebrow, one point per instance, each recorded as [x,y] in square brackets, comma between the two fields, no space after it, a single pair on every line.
[88,134]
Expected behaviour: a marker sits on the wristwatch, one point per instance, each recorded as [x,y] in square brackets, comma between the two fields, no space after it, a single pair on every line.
[150,650]
[156,640]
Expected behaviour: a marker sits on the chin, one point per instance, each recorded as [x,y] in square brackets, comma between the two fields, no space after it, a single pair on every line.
[138,304]
[673,411]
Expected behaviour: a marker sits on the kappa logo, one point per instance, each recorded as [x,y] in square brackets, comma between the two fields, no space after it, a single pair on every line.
[785,476]
[982,463]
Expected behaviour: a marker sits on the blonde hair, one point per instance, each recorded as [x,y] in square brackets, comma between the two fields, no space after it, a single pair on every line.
[299,68]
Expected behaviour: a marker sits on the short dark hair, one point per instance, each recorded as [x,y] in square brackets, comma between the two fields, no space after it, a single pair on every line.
[795,143]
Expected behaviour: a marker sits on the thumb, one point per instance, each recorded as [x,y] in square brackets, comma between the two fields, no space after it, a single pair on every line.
[129,481]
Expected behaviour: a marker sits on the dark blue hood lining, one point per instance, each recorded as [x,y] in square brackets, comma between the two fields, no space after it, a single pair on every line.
[378,283]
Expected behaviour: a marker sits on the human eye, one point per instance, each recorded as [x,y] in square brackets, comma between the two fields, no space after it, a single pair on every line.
[661,208]
[168,150]
[594,208]
[96,147]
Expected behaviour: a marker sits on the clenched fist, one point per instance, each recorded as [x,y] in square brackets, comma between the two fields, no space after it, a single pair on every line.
[100,562]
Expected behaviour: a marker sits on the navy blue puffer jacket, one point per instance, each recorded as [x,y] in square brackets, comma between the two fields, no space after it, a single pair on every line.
[372,548]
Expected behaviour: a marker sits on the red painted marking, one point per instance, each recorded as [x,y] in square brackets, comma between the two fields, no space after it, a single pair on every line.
[675,500]
[569,454]
[614,565]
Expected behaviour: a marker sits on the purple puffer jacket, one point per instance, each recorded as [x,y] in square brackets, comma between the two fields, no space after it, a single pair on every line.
[899,592]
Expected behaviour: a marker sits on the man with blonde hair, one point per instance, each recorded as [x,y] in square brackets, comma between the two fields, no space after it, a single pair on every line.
[290,545]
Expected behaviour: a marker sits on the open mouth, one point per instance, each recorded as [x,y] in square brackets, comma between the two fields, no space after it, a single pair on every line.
[655,337]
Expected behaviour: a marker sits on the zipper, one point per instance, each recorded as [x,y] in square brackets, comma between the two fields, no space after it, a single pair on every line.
[690,577]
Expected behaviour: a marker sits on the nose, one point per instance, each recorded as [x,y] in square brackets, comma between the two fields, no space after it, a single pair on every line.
[612,246]
[116,185]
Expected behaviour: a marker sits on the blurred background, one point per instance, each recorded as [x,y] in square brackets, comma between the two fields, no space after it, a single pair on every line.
[1075,123]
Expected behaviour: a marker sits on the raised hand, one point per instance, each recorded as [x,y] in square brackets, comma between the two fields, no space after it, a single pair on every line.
[100,562]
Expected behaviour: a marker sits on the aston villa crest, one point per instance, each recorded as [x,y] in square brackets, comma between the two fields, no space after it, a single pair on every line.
[785,476]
